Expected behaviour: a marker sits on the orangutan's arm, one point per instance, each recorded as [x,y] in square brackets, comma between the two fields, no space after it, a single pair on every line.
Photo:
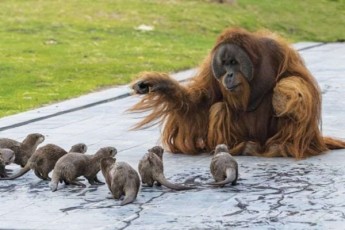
[164,97]
[160,90]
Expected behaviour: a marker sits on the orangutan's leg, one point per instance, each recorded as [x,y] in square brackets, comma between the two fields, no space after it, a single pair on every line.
[238,149]
[278,150]
[223,131]
[248,148]
[252,149]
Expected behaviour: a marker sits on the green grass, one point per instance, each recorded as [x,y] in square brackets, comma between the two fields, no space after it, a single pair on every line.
[54,50]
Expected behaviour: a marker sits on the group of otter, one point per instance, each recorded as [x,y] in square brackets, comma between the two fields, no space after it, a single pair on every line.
[122,179]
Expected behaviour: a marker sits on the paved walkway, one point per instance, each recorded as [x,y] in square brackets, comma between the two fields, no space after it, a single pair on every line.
[272,193]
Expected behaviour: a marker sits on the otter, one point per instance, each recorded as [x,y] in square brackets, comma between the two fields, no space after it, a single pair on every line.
[121,179]
[42,162]
[22,150]
[151,170]
[6,157]
[2,168]
[224,167]
[74,165]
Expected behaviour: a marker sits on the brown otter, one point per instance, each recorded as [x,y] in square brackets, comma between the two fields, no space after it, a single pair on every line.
[74,165]
[121,179]
[224,167]
[42,162]
[151,169]
[2,168]
[22,150]
[6,157]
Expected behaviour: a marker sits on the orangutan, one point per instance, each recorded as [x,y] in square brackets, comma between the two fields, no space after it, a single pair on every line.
[253,92]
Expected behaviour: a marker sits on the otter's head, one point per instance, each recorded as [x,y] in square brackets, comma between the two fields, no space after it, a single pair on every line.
[33,139]
[107,162]
[7,155]
[106,152]
[79,148]
[221,148]
[157,150]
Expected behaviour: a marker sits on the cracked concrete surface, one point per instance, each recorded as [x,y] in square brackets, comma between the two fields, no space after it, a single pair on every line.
[274,193]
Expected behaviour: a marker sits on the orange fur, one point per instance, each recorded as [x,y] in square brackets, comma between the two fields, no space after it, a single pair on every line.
[284,123]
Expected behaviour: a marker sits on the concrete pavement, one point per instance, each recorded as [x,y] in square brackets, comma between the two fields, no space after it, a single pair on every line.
[271,193]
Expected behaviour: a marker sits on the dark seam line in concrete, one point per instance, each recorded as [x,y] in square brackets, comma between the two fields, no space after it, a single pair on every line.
[65,111]
[312,46]
[100,102]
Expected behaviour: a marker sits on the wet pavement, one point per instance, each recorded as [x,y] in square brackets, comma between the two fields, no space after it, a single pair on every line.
[276,193]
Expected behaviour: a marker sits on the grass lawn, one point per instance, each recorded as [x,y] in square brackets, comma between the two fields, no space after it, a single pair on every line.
[54,50]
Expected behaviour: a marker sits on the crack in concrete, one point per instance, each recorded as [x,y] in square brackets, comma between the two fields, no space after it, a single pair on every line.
[141,208]
[300,185]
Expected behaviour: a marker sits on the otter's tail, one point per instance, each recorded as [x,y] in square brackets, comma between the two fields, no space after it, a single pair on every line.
[21,172]
[130,197]
[231,177]
[55,180]
[332,143]
[161,179]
